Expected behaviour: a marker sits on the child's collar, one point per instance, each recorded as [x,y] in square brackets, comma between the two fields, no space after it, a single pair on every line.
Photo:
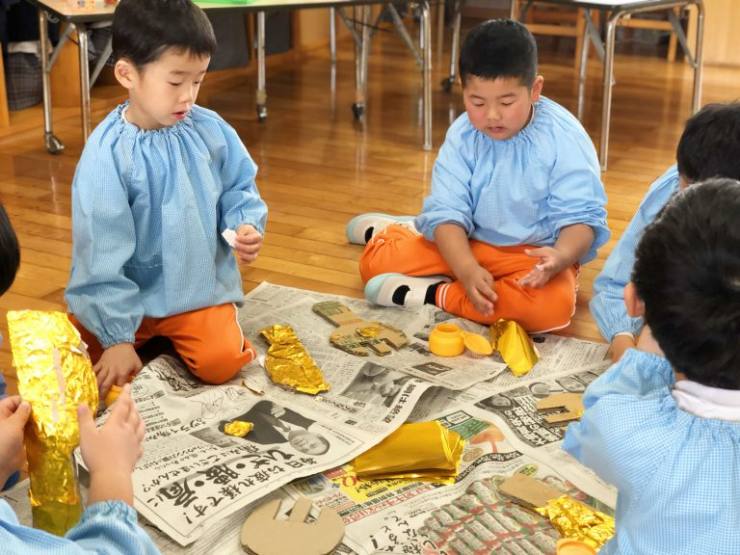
[707,402]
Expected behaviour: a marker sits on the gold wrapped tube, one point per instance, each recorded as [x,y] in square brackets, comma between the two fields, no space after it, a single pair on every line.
[515,346]
[55,376]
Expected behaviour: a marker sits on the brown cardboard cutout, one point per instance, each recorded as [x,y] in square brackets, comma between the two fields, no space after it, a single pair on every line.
[570,405]
[355,335]
[528,491]
[265,535]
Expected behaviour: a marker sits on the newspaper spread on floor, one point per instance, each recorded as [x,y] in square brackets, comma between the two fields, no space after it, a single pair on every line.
[195,484]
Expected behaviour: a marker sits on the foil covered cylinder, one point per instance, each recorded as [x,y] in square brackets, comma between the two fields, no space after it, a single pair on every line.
[288,363]
[515,346]
[419,450]
[55,376]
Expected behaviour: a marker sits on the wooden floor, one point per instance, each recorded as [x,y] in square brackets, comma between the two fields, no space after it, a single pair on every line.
[318,167]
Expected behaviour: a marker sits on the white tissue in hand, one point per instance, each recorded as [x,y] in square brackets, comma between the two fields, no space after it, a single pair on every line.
[230,236]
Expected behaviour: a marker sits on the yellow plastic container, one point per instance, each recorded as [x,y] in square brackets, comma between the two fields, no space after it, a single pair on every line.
[449,340]
[568,546]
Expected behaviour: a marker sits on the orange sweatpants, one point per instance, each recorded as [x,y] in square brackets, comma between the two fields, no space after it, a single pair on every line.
[397,249]
[209,340]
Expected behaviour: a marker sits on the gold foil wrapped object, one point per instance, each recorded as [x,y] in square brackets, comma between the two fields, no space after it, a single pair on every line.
[515,346]
[578,521]
[288,362]
[238,428]
[55,376]
[420,450]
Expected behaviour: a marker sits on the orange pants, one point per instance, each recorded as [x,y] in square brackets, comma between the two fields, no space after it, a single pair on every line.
[397,249]
[209,340]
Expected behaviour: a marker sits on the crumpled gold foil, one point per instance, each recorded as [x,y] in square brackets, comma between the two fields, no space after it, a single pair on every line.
[515,346]
[419,450]
[577,520]
[54,375]
[288,362]
[238,428]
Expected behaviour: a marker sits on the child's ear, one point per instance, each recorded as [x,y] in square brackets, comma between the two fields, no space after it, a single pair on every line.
[125,73]
[634,304]
[539,82]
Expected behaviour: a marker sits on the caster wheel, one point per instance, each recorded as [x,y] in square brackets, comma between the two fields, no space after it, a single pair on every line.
[261,113]
[53,145]
[358,110]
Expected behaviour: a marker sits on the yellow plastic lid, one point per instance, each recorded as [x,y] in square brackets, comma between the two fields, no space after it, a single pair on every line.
[477,344]
[568,546]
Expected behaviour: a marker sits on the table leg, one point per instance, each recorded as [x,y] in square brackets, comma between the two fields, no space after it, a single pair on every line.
[426,23]
[53,145]
[82,42]
[583,65]
[606,113]
[448,82]
[361,57]
[333,35]
[261,72]
[698,57]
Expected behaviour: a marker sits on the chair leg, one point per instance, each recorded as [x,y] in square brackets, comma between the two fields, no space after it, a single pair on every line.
[580,28]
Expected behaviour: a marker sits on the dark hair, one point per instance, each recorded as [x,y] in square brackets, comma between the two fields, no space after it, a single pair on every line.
[144,29]
[710,143]
[10,253]
[687,272]
[499,48]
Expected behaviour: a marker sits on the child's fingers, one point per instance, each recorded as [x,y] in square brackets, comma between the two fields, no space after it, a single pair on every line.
[140,431]
[9,405]
[249,238]
[21,414]
[86,422]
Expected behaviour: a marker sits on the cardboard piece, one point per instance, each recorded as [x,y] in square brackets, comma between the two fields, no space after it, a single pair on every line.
[265,535]
[355,335]
[570,407]
[528,491]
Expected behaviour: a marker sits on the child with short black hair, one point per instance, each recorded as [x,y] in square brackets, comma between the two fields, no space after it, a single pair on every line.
[158,183]
[663,424]
[709,147]
[517,202]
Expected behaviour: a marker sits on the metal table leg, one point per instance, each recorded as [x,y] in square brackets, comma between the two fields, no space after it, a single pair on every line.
[361,57]
[606,113]
[448,82]
[333,35]
[426,22]
[52,143]
[583,63]
[261,72]
[82,41]
[698,57]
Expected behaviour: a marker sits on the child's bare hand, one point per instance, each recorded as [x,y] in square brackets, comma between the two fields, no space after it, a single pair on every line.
[552,262]
[247,244]
[13,417]
[116,366]
[478,283]
[111,451]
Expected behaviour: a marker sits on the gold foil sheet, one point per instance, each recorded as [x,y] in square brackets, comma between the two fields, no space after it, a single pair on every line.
[578,521]
[420,450]
[54,376]
[238,428]
[515,346]
[288,362]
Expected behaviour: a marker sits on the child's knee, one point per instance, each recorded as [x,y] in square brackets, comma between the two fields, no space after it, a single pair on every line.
[555,309]
[218,365]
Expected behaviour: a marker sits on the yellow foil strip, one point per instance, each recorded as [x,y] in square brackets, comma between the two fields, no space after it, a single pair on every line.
[54,376]
[424,450]
[238,428]
[288,362]
[578,521]
[515,346]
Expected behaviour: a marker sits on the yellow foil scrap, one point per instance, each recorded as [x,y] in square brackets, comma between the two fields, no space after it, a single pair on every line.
[578,521]
[238,428]
[515,346]
[288,362]
[54,376]
[420,450]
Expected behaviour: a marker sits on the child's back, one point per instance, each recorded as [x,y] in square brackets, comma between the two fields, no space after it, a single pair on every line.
[666,430]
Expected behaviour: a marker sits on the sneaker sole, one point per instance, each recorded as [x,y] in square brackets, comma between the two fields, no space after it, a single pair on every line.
[349,230]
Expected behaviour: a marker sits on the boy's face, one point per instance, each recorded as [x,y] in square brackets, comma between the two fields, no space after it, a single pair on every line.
[307,442]
[162,92]
[500,107]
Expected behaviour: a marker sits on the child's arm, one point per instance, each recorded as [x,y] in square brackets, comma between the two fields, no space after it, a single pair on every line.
[626,422]
[607,305]
[454,246]
[99,293]
[240,207]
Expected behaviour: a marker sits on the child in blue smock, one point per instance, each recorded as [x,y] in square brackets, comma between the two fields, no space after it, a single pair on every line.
[159,181]
[517,202]
[665,428]
[709,147]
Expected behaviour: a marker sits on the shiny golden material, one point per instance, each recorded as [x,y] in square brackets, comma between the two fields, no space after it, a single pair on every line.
[238,428]
[515,346]
[54,376]
[578,521]
[288,362]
